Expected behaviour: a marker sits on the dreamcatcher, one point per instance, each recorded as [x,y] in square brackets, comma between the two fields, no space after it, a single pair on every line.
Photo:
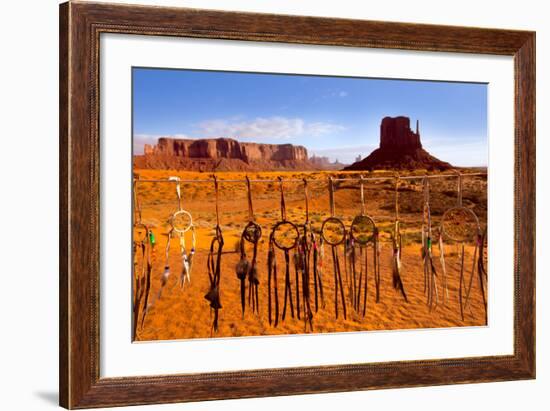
[461,224]
[245,268]
[181,222]
[333,232]
[364,233]
[284,236]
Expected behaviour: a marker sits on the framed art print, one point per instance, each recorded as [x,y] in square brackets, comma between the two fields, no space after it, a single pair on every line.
[256,205]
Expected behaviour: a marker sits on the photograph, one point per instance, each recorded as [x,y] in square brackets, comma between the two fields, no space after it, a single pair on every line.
[276,204]
[262,204]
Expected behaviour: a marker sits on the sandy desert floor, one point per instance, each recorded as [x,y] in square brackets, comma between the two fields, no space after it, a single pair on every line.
[184,313]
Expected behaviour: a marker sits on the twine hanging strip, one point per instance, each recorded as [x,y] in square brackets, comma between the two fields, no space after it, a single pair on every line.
[397,246]
[214,264]
[334,243]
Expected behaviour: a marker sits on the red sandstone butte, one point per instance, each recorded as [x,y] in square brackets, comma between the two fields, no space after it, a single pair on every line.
[222,154]
[400,148]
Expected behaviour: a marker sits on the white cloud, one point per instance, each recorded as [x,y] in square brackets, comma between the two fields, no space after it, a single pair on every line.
[267,128]
[343,94]
[258,129]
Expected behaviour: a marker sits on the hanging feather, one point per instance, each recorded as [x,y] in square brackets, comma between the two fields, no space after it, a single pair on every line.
[397,266]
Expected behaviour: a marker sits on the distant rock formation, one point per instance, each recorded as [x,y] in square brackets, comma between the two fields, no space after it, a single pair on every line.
[222,154]
[324,163]
[400,149]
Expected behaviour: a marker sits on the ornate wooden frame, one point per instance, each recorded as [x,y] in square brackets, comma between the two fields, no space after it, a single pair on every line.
[80,27]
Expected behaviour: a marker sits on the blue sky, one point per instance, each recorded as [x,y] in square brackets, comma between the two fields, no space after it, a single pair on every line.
[338,117]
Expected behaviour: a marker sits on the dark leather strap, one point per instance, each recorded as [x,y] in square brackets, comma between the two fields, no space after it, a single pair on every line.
[214,265]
